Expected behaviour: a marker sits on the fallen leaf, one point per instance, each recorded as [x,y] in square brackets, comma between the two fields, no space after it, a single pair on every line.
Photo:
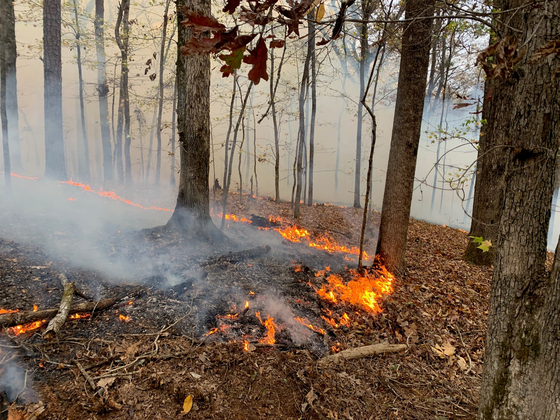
[462,363]
[106,382]
[195,375]
[311,396]
[187,405]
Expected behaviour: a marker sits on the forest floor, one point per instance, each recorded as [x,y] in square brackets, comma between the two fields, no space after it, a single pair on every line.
[159,357]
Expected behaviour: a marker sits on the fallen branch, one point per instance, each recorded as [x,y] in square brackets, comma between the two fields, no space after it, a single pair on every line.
[360,352]
[19,318]
[103,395]
[58,321]
[237,256]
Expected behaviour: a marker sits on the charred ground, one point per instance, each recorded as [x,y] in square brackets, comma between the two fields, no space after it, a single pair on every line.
[151,363]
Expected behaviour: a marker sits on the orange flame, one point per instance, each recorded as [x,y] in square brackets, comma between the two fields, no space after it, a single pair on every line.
[21,329]
[363,291]
[271,329]
[35,307]
[212,331]
[245,345]
[112,195]
[80,316]
[124,318]
[8,311]
[246,304]
[305,321]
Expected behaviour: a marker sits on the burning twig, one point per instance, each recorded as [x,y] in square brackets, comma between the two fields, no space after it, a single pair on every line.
[18,318]
[60,318]
[360,352]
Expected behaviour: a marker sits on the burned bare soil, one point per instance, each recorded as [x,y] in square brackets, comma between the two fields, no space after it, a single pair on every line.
[196,328]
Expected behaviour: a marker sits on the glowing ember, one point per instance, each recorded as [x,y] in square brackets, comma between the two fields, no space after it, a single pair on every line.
[212,331]
[246,304]
[80,316]
[251,293]
[305,321]
[22,176]
[228,316]
[363,291]
[245,345]
[271,329]
[234,218]
[111,195]
[71,199]
[124,318]
[22,329]
[8,311]
[35,307]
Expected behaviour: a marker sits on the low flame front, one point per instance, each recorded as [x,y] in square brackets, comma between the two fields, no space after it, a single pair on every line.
[364,290]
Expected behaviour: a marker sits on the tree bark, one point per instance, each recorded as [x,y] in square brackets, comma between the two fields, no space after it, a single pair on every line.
[103,91]
[406,134]
[193,122]
[55,164]
[521,378]
[173,130]
[12,108]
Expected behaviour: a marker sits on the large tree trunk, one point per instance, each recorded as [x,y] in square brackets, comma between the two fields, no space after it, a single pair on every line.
[406,134]
[521,378]
[83,146]
[55,165]
[12,108]
[193,122]
[103,91]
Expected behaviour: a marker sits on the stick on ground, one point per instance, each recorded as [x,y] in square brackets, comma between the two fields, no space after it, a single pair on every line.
[359,352]
[58,321]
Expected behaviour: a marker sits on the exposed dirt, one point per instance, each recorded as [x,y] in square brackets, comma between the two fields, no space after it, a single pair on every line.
[151,363]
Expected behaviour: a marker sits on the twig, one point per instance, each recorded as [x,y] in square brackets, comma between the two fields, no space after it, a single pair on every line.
[466,350]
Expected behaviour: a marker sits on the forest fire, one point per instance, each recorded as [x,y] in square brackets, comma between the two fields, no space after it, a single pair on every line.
[305,321]
[112,195]
[22,329]
[364,290]
[271,329]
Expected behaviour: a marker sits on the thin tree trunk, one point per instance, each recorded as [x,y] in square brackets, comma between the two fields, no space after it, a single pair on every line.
[301,134]
[55,164]
[3,113]
[83,146]
[141,121]
[173,130]
[161,89]
[255,160]
[103,91]
[338,138]
[230,127]
[122,43]
[230,163]
[12,107]
[313,109]
[239,161]
[407,123]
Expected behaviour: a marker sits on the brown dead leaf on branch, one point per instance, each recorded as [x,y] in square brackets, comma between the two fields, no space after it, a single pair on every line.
[499,58]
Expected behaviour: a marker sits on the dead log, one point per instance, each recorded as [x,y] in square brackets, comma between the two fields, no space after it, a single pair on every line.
[233,257]
[19,318]
[59,319]
[360,352]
